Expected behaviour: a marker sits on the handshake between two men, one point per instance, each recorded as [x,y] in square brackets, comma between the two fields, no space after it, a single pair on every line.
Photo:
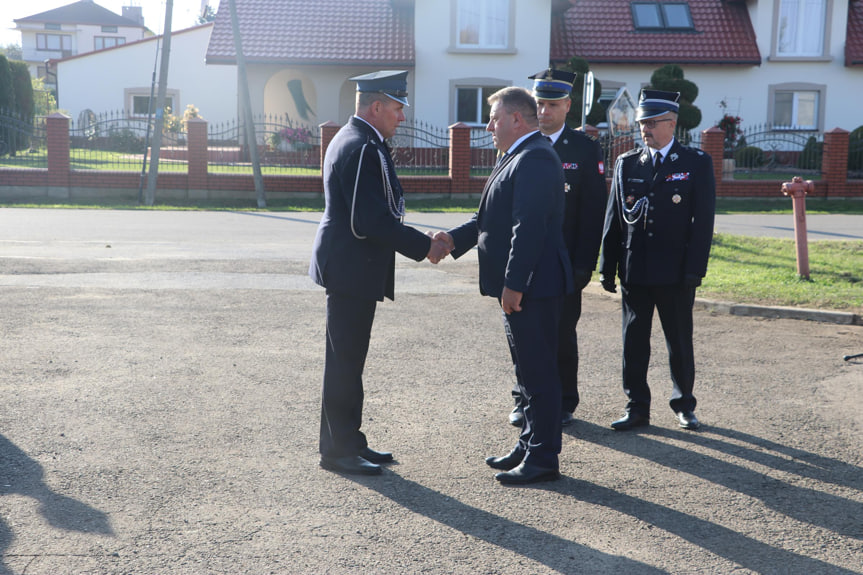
[441,246]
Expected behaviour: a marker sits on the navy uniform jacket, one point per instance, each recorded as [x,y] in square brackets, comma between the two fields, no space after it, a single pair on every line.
[586,196]
[519,226]
[658,228]
[361,266]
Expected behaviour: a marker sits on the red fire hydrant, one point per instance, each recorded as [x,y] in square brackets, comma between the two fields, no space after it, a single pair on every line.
[798,189]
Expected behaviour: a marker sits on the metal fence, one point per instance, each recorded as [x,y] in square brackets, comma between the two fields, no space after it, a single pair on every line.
[117,141]
[773,151]
[420,149]
[284,146]
[22,141]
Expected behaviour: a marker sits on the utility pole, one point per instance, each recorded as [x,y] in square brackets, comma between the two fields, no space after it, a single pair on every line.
[150,196]
[246,106]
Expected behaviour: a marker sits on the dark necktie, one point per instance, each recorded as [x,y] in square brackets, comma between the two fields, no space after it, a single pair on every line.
[657,161]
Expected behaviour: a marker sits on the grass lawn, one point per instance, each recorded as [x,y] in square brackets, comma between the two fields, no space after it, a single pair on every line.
[764,271]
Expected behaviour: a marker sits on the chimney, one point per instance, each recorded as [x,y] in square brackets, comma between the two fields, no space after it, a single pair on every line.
[135,13]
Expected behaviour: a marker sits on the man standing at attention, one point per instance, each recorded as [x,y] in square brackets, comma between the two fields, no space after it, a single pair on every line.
[518,230]
[354,259]
[586,196]
[657,236]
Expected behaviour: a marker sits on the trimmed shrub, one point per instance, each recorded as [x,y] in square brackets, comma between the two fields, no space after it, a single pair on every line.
[749,157]
[855,149]
[810,157]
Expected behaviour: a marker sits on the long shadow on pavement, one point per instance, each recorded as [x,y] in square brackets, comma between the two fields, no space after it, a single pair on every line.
[810,506]
[22,475]
[550,550]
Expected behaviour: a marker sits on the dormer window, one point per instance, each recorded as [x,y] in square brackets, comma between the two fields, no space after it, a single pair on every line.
[661,16]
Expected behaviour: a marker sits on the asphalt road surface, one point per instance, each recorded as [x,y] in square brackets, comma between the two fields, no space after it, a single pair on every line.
[161,371]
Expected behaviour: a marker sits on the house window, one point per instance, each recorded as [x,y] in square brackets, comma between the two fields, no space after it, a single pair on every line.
[101,42]
[472,104]
[482,24]
[800,28]
[655,16]
[109,29]
[53,42]
[52,26]
[797,106]
[141,104]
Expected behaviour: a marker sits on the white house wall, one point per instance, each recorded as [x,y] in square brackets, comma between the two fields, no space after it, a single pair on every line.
[329,93]
[99,81]
[745,90]
[82,39]
[437,66]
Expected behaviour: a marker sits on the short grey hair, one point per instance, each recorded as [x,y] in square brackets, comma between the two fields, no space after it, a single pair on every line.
[515,99]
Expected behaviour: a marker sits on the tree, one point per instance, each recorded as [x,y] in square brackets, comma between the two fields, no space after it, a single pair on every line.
[24,106]
[7,91]
[23,87]
[208,16]
[12,51]
[44,102]
[7,105]
[597,112]
[670,78]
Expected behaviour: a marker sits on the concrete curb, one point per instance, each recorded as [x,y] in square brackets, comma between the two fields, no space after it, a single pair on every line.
[782,312]
[750,310]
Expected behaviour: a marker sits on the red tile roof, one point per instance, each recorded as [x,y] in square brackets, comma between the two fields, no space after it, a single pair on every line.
[854,35]
[602,31]
[359,32]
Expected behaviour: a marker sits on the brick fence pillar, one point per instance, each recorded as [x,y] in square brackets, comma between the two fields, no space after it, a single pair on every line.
[713,143]
[196,129]
[459,157]
[57,142]
[591,131]
[328,131]
[834,162]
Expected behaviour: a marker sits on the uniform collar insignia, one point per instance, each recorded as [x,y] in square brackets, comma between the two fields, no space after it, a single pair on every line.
[673,157]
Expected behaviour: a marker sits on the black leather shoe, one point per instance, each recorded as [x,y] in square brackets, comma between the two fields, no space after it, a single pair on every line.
[352,465]
[370,454]
[688,420]
[526,473]
[516,416]
[507,462]
[629,421]
[566,418]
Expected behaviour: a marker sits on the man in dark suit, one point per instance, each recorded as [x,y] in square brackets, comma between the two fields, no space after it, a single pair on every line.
[583,166]
[657,236]
[354,259]
[523,263]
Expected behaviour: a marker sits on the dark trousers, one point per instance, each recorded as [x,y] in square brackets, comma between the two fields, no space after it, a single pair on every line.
[532,337]
[674,305]
[567,353]
[349,327]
